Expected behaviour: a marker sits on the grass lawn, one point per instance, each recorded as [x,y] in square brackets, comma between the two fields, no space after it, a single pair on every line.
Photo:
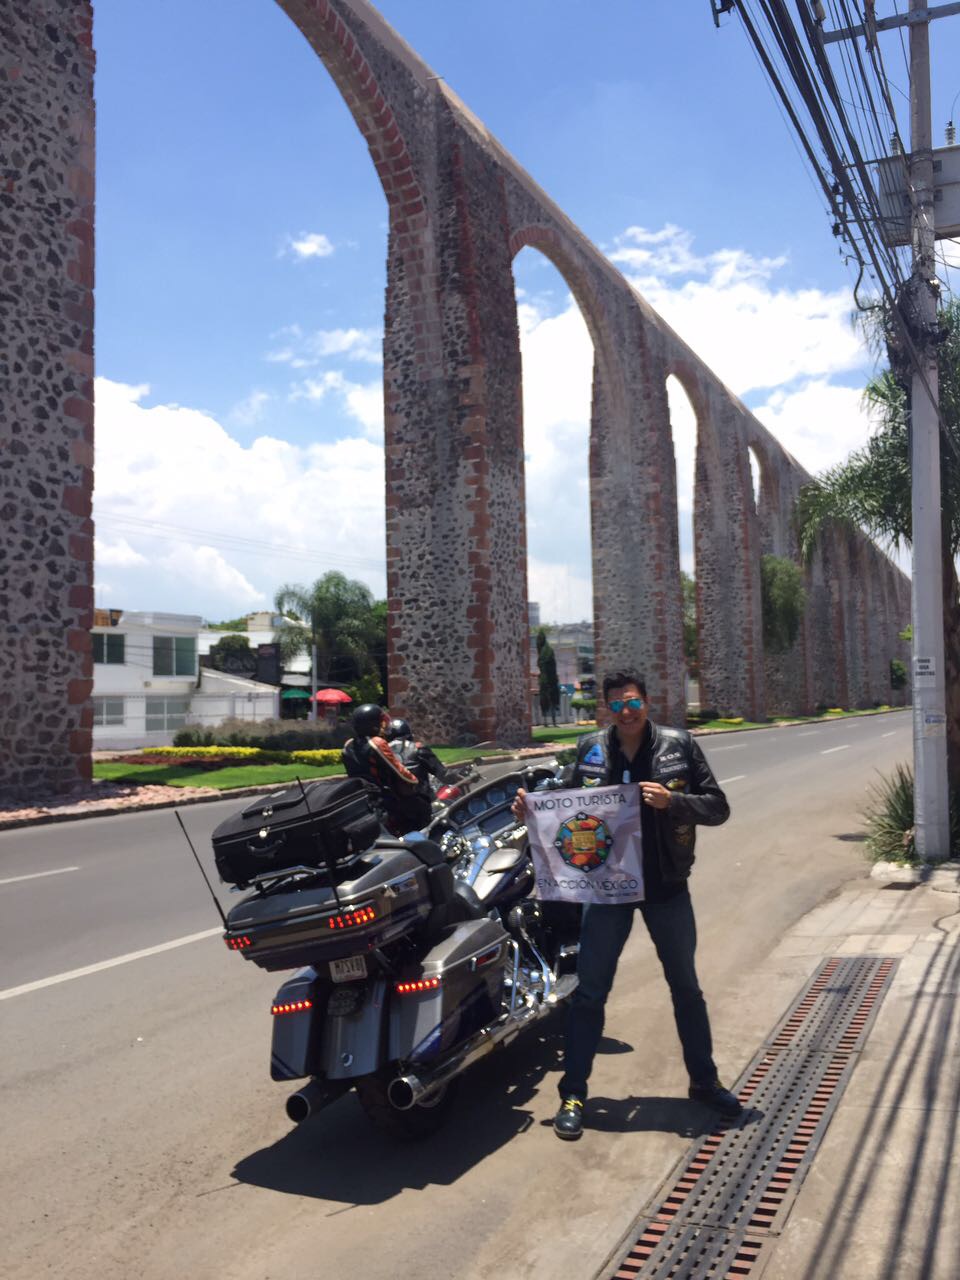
[187,775]
[562,733]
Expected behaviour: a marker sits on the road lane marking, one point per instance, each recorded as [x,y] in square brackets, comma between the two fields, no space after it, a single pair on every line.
[105,964]
[830,750]
[811,733]
[888,735]
[737,778]
[733,746]
[36,875]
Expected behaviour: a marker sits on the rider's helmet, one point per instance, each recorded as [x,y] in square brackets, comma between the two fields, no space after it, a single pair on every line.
[367,720]
[398,729]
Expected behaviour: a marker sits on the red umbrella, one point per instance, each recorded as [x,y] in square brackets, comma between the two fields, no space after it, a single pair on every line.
[331,696]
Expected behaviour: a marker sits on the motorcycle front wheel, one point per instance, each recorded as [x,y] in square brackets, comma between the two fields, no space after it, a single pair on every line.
[418,1121]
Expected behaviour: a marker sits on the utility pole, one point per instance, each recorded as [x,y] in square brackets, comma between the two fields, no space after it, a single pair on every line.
[931,800]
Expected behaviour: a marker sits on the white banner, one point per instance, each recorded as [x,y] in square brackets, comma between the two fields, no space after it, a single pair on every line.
[586,844]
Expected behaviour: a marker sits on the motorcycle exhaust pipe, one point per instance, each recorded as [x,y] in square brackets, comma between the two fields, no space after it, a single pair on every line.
[407,1090]
[313,1097]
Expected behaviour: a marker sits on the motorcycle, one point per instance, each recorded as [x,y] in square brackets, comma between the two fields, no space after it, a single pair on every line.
[414,958]
[456,780]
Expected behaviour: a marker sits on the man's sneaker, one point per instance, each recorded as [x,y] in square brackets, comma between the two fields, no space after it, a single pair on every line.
[568,1122]
[716,1097]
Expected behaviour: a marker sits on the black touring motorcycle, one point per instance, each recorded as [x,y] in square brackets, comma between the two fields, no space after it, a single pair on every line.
[414,958]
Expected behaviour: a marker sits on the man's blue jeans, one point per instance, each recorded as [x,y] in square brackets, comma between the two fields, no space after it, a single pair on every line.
[605,929]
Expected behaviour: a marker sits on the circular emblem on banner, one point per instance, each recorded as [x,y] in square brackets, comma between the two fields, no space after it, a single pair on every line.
[584,842]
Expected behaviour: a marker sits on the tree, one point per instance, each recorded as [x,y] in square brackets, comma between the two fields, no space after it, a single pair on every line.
[549,685]
[339,619]
[691,651]
[783,601]
[871,490]
[233,653]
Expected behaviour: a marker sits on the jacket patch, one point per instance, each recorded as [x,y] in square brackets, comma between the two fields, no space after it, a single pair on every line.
[594,755]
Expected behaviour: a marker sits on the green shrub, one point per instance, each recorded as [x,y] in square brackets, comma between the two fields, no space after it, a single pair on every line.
[898,674]
[783,600]
[890,818]
[268,735]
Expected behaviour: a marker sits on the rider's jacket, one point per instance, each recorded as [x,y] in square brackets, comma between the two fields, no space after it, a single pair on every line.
[401,790]
[679,765]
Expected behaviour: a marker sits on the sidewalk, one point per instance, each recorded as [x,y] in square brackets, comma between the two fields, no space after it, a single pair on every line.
[882,1197]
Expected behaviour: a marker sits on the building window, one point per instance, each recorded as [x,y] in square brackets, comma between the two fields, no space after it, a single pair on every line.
[174,656]
[108,647]
[164,714]
[107,710]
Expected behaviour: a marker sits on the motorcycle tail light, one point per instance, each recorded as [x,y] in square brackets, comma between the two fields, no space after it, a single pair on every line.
[295,1006]
[416,986]
[240,943]
[351,919]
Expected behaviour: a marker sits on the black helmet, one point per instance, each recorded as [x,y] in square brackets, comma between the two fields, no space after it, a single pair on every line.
[398,729]
[366,720]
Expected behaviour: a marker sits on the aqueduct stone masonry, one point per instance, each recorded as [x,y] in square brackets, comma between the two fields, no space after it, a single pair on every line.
[460,208]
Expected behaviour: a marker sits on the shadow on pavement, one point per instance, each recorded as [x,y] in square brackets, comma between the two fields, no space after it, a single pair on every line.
[340,1156]
[655,1115]
[926,1049]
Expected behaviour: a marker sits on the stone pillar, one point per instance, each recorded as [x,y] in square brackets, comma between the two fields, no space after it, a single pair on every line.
[638,604]
[456,541]
[46,409]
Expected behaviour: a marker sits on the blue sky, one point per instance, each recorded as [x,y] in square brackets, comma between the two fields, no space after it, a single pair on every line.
[240,272]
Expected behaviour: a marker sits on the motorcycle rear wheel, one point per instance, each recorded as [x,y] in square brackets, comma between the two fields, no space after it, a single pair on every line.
[419,1121]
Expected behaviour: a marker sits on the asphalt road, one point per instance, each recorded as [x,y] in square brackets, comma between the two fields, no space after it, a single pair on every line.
[141,1132]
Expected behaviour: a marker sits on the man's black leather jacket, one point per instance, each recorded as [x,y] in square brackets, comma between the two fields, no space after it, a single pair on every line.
[680,766]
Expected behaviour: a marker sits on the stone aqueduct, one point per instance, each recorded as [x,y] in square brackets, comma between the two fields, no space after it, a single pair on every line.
[460,208]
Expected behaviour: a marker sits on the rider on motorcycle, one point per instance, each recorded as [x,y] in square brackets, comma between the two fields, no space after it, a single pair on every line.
[418,758]
[368,755]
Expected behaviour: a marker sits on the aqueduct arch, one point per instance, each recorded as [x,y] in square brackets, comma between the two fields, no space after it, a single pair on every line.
[459,209]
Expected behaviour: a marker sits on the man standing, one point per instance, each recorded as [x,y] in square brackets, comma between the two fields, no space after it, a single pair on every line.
[678,792]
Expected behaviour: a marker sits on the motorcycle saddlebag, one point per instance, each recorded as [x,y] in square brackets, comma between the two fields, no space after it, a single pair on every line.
[329,820]
[455,991]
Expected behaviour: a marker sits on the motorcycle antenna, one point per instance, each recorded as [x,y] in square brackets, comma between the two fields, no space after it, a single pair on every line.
[331,862]
[216,900]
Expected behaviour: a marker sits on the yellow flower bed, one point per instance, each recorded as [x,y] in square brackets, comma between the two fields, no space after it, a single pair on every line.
[226,753]
[730,720]
[834,711]
[319,757]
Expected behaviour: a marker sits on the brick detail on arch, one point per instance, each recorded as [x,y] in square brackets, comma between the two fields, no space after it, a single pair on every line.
[368,103]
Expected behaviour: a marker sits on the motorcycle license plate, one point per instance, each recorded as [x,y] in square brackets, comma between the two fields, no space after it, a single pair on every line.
[348,970]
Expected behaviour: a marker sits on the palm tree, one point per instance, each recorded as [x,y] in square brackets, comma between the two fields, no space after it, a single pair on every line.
[334,619]
[871,490]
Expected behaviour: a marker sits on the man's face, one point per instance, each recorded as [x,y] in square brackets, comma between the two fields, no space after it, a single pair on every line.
[631,719]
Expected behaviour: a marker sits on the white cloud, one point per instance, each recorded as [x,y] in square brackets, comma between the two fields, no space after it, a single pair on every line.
[119,553]
[193,521]
[249,411]
[751,332]
[363,402]
[819,422]
[302,350]
[310,244]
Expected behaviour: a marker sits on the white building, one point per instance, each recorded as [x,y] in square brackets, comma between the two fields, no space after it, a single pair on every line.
[147,684]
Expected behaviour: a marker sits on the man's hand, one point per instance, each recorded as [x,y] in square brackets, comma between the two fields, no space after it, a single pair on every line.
[517,808]
[655,794]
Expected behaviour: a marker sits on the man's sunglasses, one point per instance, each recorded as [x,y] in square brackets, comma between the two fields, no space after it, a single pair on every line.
[616,705]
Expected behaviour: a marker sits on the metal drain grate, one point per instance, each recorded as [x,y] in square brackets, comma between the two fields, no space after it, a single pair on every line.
[731,1196]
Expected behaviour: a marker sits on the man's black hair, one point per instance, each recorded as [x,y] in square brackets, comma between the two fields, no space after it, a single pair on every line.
[617,680]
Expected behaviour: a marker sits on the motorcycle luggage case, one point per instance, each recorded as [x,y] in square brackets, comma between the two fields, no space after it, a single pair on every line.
[322,822]
[464,971]
[385,894]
